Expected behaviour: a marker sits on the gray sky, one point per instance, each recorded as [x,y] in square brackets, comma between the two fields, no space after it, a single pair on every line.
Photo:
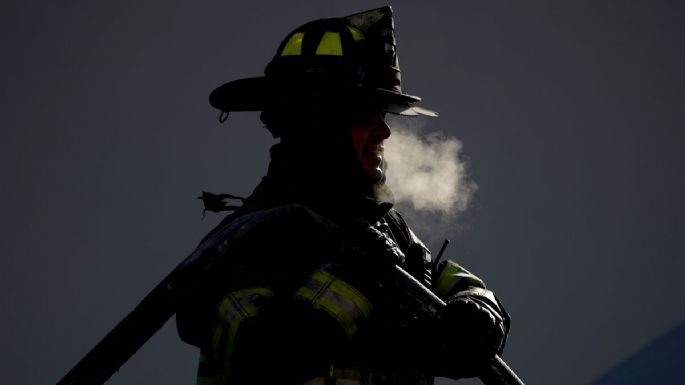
[570,112]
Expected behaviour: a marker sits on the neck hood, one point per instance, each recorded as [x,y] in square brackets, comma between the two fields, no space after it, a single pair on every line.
[331,184]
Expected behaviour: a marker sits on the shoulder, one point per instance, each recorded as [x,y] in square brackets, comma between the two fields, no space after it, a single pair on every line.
[272,239]
[270,224]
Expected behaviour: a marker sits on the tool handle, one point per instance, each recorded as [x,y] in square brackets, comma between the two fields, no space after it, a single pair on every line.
[499,373]
[124,340]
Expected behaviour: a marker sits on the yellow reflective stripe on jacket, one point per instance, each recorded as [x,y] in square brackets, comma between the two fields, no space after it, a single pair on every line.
[368,376]
[336,297]
[207,374]
[209,381]
[330,44]
[454,276]
[480,292]
[233,310]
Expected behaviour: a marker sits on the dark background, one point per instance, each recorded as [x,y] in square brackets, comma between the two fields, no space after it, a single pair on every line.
[570,112]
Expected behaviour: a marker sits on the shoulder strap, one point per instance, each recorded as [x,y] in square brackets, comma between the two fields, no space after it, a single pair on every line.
[399,229]
[418,262]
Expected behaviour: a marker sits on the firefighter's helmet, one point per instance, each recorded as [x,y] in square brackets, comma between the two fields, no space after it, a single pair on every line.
[351,57]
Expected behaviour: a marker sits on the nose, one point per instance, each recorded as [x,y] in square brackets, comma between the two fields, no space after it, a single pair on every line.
[380,129]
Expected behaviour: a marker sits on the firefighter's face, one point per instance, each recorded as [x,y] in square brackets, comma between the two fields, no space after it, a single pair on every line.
[368,134]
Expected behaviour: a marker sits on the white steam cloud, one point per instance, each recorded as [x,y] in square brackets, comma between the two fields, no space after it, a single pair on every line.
[426,172]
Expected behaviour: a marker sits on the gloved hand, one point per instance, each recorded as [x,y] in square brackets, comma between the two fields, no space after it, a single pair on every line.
[475,327]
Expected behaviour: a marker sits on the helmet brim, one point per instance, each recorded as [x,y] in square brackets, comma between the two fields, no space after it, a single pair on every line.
[250,94]
[402,104]
[240,95]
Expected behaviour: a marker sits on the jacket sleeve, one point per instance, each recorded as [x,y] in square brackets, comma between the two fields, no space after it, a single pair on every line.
[283,316]
[262,335]
[451,278]
[452,282]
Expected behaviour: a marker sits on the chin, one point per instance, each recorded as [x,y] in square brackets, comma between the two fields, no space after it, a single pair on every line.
[375,175]
[373,170]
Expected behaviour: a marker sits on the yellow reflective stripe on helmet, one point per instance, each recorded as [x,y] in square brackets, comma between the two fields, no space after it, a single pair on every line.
[357,35]
[336,297]
[330,44]
[294,45]
[235,308]
[452,275]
